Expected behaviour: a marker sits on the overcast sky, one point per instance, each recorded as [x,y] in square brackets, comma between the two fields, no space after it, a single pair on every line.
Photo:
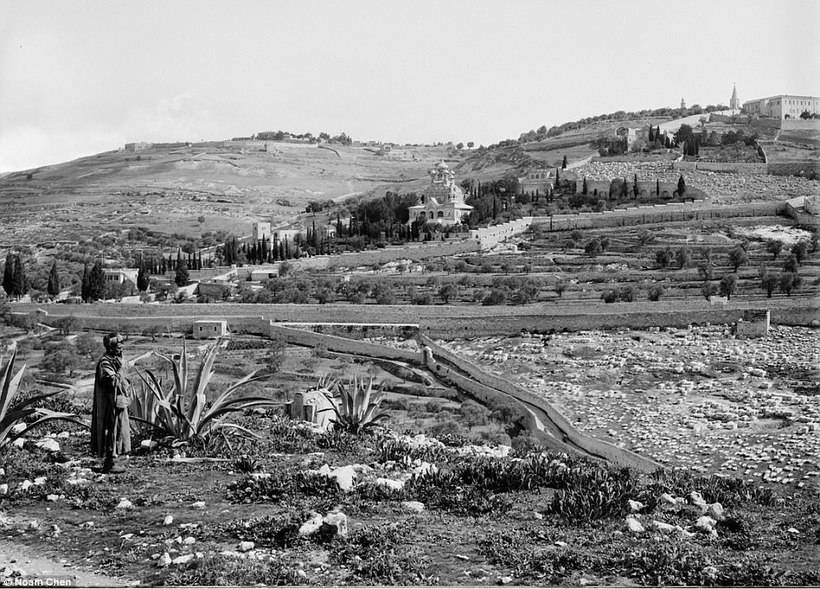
[80,77]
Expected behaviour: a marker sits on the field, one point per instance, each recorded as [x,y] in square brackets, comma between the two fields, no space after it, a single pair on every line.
[468,512]
[167,190]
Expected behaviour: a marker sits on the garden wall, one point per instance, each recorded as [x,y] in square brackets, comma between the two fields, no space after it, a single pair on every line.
[733,167]
[687,211]
[340,344]
[557,425]
[794,168]
[591,316]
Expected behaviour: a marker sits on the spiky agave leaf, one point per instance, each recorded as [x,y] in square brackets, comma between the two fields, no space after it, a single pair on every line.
[203,377]
[9,384]
[11,416]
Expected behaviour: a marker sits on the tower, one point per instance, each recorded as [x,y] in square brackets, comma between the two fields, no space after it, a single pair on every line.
[734,101]
[682,104]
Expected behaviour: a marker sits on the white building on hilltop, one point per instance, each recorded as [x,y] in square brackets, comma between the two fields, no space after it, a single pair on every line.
[443,201]
[783,106]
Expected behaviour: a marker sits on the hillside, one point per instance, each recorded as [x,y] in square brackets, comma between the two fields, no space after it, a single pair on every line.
[230,184]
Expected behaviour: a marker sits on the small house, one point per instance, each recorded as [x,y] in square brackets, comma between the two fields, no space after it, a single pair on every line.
[210,328]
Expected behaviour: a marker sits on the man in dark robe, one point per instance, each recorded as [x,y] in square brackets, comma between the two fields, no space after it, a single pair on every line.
[110,427]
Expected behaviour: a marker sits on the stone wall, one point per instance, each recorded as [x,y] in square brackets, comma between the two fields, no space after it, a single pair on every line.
[554,423]
[800,125]
[732,167]
[340,344]
[794,168]
[489,237]
[687,211]
[753,324]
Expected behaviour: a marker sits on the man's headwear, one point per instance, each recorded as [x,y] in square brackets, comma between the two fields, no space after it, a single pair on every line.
[111,339]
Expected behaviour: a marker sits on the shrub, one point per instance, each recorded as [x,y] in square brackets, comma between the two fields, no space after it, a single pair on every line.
[594,493]
[182,413]
[358,408]
[379,554]
[15,411]
[667,562]
[216,569]
[274,531]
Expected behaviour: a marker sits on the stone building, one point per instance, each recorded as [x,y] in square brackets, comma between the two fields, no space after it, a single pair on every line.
[261,229]
[120,275]
[443,201]
[210,328]
[537,182]
[782,106]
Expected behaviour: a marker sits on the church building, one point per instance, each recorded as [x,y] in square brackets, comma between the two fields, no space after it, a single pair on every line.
[443,201]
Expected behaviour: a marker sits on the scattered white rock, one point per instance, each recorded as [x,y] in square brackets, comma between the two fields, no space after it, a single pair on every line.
[635,506]
[793,531]
[344,476]
[338,520]
[52,497]
[18,428]
[26,485]
[312,525]
[198,505]
[412,506]
[390,484]
[246,546]
[634,525]
[185,558]
[663,526]
[48,444]
[189,540]
[148,444]
[169,519]
[705,524]
[4,489]
[124,504]
[716,511]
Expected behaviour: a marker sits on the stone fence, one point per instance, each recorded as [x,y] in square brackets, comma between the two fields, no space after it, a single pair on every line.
[715,166]
[556,424]
[687,211]
[334,343]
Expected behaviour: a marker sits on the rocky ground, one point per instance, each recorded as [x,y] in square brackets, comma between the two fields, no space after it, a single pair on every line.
[695,398]
[721,187]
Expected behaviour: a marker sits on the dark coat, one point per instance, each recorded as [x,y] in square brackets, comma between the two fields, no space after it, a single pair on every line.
[110,427]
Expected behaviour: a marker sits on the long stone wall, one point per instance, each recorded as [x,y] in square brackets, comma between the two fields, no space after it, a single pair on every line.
[688,211]
[555,423]
[733,167]
[340,344]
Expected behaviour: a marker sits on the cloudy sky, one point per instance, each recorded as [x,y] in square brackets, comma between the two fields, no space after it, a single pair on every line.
[80,77]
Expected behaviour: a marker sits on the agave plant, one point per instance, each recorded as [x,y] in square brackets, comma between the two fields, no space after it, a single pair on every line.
[358,407]
[182,413]
[13,415]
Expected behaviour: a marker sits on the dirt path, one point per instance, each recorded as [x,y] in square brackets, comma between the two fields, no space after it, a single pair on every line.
[21,557]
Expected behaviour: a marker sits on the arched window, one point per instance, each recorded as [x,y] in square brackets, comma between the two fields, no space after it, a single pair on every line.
[440,214]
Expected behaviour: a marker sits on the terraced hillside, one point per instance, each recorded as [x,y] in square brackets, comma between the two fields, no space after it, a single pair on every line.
[166,189]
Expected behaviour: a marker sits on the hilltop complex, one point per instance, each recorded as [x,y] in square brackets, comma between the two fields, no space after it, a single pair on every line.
[443,201]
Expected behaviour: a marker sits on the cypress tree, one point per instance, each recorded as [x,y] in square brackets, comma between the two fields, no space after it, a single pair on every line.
[8,274]
[142,278]
[181,277]
[85,284]
[651,133]
[20,286]
[657,187]
[564,163]
[635,186]
[53,287]
[584,188]
[96,282]
[681,186]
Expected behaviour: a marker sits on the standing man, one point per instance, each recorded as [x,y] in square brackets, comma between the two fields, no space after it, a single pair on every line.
[110,427]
